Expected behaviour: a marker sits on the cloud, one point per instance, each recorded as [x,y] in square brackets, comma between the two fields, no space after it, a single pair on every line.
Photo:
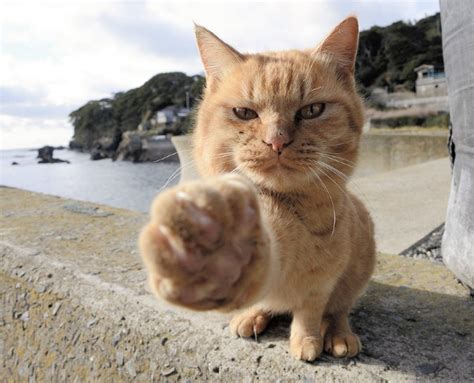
[22,102]
[83,57]
[152,35]
[253,26]
[56,55]
[14,95]
[37,110]
[22,132]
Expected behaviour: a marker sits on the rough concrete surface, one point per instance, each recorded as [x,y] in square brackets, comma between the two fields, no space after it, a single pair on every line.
[75,307]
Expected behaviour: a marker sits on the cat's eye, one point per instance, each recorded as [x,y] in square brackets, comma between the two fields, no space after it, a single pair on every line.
[245,113]
[310,111]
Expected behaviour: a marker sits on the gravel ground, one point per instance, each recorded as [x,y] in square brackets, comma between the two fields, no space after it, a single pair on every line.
[429,247]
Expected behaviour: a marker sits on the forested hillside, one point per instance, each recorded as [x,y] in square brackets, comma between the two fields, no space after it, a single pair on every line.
[388,55]
[110,117]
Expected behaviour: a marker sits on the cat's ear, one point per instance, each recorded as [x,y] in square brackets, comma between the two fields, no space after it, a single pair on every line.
[342,43]
[216,55]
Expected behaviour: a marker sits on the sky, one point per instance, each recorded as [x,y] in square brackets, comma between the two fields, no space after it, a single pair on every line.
[55,55]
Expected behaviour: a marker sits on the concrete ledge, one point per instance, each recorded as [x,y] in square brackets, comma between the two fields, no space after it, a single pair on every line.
[385,151]
[75,308]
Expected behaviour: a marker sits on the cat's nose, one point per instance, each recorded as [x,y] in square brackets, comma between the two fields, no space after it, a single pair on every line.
[278,142]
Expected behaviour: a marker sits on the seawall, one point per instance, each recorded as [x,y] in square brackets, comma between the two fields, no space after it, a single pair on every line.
[75,307]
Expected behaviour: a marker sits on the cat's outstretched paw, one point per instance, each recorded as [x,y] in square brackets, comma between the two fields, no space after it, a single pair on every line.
[204,246]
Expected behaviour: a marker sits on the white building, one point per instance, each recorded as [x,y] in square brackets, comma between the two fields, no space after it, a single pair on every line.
[170,114]
[430,83]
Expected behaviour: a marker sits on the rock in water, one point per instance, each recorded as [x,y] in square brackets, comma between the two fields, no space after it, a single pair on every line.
[130,147]
[45,154]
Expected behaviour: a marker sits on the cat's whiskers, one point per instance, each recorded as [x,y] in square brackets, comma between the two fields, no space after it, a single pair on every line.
[165,157]
[236,169]
[338,138]
[360,192]
[338,173]
[339,186]
[172,154]
[331,156]
[336,159]
[330,198]
[335,155]
[175,174]
[344,191]
[189,164]
[335,171]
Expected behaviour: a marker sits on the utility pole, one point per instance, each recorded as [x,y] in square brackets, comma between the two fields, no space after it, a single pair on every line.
[457,19]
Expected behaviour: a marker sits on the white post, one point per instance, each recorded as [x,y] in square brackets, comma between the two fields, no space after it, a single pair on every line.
[457,19]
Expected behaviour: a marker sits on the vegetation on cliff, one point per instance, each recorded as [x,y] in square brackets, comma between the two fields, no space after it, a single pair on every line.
[110,117]
[388,55]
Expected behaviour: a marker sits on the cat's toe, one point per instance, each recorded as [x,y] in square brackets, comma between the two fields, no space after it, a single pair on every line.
[306,348]
[344,345]
[175,251]
[249,323]
[208,229]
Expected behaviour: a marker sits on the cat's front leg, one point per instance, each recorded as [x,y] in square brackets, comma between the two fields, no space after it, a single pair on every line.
[306,342]
[205,247]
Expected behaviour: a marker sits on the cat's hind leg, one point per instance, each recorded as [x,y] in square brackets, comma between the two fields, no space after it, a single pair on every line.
[339,340]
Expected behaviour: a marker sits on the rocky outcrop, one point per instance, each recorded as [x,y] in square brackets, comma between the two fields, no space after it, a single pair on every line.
[74,145]
[106,147]
[138,147]
[127,111]
[130,148]
[134,145]
[45,154]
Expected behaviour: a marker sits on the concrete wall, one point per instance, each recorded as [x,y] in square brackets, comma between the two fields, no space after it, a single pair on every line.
[439,103]
[378,152]
[432,86]
[383,152]
[427,95]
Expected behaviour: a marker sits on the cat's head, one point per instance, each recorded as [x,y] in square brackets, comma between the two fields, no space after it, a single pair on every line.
[285,119]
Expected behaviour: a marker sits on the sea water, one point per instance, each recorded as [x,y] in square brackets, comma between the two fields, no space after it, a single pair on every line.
[120,184]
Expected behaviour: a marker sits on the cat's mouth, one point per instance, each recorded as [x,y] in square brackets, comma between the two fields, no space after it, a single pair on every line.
[274,164]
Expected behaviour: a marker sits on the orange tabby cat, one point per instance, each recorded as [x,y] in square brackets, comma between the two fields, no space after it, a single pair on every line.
[271,228]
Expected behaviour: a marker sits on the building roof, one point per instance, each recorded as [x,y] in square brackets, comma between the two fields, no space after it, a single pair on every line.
[424,66]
